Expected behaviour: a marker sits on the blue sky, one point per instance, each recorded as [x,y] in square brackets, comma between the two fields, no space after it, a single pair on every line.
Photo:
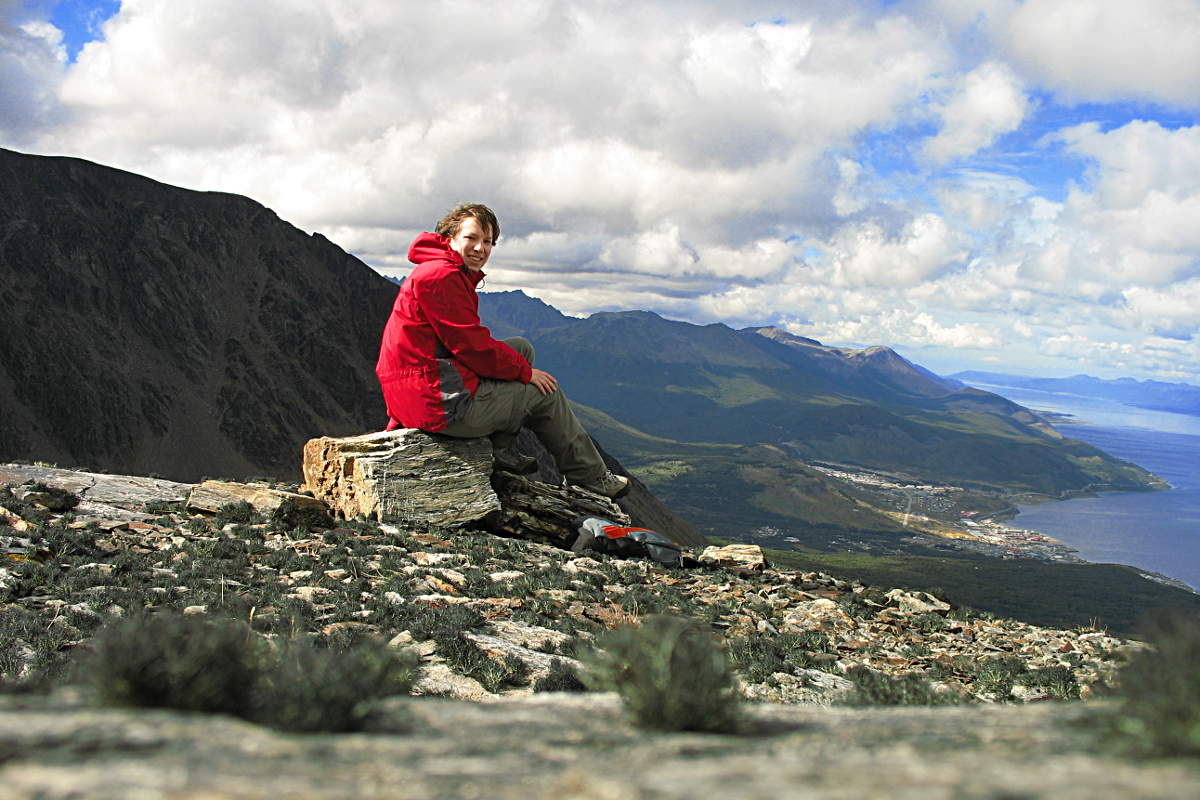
[81,21]
[1002,184]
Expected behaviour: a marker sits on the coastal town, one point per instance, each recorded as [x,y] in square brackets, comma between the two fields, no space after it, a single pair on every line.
[949,513]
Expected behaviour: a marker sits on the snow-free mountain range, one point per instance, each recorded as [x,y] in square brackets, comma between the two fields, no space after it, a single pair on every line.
[1177,398]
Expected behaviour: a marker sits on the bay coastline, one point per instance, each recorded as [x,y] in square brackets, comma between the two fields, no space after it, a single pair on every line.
[1157,532]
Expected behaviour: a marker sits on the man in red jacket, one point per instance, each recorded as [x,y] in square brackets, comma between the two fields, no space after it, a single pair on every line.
[441,370]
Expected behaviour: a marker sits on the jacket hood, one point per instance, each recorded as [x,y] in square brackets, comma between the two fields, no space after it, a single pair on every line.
[433,246]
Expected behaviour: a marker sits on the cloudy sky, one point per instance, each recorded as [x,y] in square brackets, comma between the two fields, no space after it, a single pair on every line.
[1000,184]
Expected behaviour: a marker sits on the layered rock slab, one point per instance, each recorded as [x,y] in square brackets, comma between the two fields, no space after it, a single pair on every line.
[210,496]
[404,475]
[411,477]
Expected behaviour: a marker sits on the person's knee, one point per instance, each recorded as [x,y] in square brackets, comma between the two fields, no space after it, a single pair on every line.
[522,346]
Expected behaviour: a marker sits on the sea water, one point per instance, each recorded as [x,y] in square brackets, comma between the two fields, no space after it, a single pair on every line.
[1156,531]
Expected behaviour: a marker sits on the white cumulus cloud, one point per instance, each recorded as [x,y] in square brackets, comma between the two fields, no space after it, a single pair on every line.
[871,173]
[1101,50]
[32,61]
[989,103]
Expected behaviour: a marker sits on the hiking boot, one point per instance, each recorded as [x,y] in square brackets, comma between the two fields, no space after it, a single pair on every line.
[508,459]
[609,485]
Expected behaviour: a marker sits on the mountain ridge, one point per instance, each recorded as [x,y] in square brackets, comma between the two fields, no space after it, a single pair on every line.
[161,329]
[1180,398]
[744,387]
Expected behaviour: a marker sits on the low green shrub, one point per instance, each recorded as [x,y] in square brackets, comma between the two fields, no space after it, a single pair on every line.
[879,689]
[302,517]
[671,674]
[927,623]
[1059,681]
[240,511]
[998,675]
[222,666]
[63,542]
[758,655]
[51,497]
[311,689]
[169,661]
[562,677]
[1158,712]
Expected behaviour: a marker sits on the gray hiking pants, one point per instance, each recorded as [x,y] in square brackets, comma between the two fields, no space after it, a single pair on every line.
[500,408]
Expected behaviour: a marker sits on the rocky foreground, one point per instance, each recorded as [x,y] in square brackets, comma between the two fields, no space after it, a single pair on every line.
[499,621]
[579,747]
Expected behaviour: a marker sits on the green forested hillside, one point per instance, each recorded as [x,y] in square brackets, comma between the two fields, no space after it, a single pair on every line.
[870,408]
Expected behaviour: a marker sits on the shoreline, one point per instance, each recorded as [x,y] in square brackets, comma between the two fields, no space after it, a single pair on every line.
[989,533]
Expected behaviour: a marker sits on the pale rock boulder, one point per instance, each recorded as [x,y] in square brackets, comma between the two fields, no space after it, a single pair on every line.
[438,680]
[807,686]
[735,556]
[500,649]
[209,496]
[917,602]
[403,475]
[816,615]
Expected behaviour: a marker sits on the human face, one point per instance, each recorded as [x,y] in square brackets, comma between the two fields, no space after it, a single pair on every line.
[473,242]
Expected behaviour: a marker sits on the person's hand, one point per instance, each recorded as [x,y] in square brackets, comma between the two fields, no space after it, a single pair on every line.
[544,381]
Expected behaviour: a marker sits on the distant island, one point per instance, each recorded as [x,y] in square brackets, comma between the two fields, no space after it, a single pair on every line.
[1178,398]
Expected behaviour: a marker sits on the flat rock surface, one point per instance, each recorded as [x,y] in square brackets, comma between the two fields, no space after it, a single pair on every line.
[579,746]
[128,492]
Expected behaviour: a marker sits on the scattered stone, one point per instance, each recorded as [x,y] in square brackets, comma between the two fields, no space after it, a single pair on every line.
[54,500]
[586,565]
[310,594]
[17,546]
[334,628]
[531,636]
[499,648]
[506,575]
[210,496]
[422,559]
[816,615]
[917,602]
[735,556]
[10,519]
[806,686]
[439,600]
[439,680]
[900,632]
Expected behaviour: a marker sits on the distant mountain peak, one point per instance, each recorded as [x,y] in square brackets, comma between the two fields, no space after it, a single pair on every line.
[1180,398]
[780,335]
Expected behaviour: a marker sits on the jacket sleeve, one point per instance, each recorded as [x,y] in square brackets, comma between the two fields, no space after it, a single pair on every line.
[450,307]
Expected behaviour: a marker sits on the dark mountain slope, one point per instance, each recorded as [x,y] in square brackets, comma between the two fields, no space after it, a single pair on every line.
[154,329]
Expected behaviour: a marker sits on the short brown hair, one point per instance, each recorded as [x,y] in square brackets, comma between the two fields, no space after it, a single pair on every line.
[448,225]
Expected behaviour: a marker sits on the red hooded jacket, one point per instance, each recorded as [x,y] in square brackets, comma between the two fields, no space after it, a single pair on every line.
[434,348]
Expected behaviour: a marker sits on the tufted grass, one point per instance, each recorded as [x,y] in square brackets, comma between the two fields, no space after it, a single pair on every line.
[671,674]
